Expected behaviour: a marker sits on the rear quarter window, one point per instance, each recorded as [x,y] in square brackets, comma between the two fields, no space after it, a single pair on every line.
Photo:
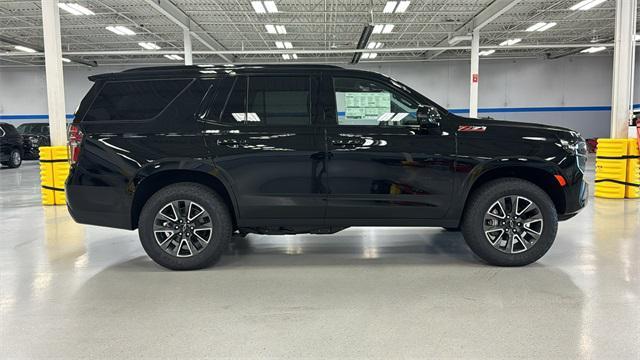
[134,100]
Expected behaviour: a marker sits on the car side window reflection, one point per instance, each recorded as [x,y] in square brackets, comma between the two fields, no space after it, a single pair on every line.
[366,102]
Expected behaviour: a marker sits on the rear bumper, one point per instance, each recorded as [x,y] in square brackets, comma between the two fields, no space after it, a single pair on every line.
[98,205]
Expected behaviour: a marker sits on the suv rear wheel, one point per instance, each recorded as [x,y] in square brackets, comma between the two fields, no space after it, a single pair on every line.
[185,226]
[510,222]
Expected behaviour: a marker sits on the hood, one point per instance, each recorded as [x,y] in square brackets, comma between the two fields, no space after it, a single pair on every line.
[522,128]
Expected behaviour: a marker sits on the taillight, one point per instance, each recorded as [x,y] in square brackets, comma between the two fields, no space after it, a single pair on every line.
[75,139]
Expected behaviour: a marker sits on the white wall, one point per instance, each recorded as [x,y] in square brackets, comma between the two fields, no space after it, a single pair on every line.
[527,83]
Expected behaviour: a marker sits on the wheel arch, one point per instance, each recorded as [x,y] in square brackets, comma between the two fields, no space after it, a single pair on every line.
[148,185]
[543,178]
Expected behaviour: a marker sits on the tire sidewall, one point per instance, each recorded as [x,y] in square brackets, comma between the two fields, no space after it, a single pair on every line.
[485,197]
[206,198]
[11,159]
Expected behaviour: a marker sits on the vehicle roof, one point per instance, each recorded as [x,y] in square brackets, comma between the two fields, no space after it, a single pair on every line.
[208,70]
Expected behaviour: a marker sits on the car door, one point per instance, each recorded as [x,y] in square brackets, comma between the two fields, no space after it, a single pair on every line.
[262,134]
[380,163]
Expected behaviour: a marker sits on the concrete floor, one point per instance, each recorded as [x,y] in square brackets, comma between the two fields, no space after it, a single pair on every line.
[74,291]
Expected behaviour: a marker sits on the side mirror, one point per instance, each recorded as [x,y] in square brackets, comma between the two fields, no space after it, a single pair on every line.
[428,116]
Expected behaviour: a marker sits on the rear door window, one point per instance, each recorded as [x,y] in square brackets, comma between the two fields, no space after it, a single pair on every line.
[134,100]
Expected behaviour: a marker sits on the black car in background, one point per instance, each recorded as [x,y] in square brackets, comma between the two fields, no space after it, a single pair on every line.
[34,135]
[11,148]
[191,155]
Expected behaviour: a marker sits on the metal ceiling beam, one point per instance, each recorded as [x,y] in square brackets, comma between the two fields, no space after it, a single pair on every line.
[316,51]
[40,50]
[480,20]
[175,14]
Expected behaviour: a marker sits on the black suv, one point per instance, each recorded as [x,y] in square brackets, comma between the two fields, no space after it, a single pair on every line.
[34,135]
[11,148]
[192,155]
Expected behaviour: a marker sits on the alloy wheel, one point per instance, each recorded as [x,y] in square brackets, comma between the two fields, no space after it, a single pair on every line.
[15,158]
[513,224]
[182,228]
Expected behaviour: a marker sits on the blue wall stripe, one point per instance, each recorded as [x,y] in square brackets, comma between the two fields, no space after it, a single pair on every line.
[455,111]
[30,117]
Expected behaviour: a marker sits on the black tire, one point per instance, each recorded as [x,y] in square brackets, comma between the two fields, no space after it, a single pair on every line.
[15,159]
[481,202]
[215,208]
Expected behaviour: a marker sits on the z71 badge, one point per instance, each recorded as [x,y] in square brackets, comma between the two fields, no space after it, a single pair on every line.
[472,128]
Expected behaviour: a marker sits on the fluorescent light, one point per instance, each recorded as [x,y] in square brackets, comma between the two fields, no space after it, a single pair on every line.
[364,56]
[288,45]
[389,7]
[258,7]
[510,42]
[368,56]
[64,59]
[402,6]
[149,46]
[586,4]
[373,55]
[24,49]
[281,29]
[456,39]
[295,56]
[174,57]
[547,26]
[636,37]
[75,9]
[271,6]
[535,27]
[593,49]
[286,56]
[270,29]
[120,30]
[279,44]
[377,29]
[387,28]
[374,45]
[486,52]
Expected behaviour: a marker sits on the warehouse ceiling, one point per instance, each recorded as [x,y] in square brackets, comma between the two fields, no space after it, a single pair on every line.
[318,30]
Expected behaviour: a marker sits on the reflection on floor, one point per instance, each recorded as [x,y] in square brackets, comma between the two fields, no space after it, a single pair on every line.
[74,291]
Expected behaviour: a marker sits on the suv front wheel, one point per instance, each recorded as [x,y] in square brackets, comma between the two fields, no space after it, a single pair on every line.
[185,226]
[510,222]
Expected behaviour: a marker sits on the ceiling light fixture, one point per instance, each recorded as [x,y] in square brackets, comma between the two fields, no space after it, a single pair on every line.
[262,7]
[288,45]
[593,49]
[535,27]
[279,44]
[486,52]
[636,37]
[396,6]
[120,30]
[286,56]
[174,57]
[374,45]
[66,60]
[510,42]
[547,26]
[24,49]
[586,4]
[383,28]
[149,46]
[75,9]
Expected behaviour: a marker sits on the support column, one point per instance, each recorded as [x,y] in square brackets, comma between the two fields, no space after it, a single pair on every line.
[474,77]
[188,51]
[623,67]
[54,74]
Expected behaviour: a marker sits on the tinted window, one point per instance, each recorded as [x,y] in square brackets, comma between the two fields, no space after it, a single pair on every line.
[279,100]
[9,129]
[235,108]
[134,100]
[366,102]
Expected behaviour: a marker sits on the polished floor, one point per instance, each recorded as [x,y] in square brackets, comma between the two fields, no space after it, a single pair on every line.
[74,291]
